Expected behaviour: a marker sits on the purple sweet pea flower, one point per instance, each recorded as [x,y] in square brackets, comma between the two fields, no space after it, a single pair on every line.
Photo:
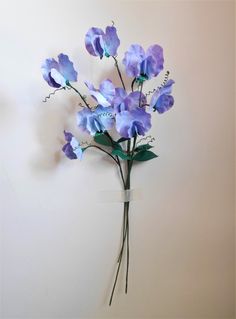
[100,43]
[105,94]
[72,148]
[141,65]
[99,120]
[57,74]
[127,102]
[132,123]
[161,100]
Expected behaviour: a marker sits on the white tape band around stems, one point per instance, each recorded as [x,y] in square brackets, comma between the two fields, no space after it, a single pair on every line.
[119,196]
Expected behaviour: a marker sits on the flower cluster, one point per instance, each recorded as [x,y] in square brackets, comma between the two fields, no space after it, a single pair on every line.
[115,107]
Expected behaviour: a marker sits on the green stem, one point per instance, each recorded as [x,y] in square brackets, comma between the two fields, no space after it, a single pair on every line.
[121,172]
[123,231]
[117,274]
[81,96]
[130,164]
[118,70]
[132,84]
[126,215]
[126,207]
[140,96]
[125,225]
[127,242]
[101,149]
[117,159]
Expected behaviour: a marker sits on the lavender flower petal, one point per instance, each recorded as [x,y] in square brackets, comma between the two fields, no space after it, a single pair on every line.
[119,100]
[161,100]
[141,65]
[155,64]
[105,94]
[111,41]
[106,117]
[135,99]
[46,68]
[72,148]
[164,103]
[133,59]
[58,73]
[58,77]
[94,41]
[99,43]
[96,94]
[66,68]
[99,120]
[68,136]
[132,123]
[107,89]
[127,102]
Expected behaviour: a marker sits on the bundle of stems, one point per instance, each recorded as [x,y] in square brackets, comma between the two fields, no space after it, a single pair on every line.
[130,148]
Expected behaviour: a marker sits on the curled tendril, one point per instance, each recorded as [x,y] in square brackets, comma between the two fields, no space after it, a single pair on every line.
[150,92]
[159,87]
[53,93]
[59,89]
[149,139]
[165,80]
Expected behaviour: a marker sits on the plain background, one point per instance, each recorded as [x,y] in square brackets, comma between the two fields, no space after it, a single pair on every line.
[58,242]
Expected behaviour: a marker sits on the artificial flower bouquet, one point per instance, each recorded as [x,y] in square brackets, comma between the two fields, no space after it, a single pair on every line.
[126,110]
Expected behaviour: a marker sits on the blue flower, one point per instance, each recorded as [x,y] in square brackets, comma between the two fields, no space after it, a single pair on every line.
[127,102]
[143,65]
[57,74]
[100,43]
[161,100]
[72,148]
[133,123]
[105,94]
[99,120]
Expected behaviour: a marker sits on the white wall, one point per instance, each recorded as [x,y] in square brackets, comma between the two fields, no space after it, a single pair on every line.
[58,244]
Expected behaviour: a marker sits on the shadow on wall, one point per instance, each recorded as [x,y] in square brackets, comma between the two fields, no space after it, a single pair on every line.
[6,111]
[51,119]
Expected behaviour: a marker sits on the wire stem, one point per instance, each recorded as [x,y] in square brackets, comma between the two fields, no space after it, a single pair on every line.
[117,272]
[123,231]
[101,149]
[81,96]
[127,252]
[118,70]
[140,96]
[117,158]
[132,84]
[126,216]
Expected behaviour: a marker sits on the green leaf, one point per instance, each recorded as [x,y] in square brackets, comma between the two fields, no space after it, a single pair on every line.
[144,156]
[143,147]
[122,139]
[121,154]
[102,139]
[117,146]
